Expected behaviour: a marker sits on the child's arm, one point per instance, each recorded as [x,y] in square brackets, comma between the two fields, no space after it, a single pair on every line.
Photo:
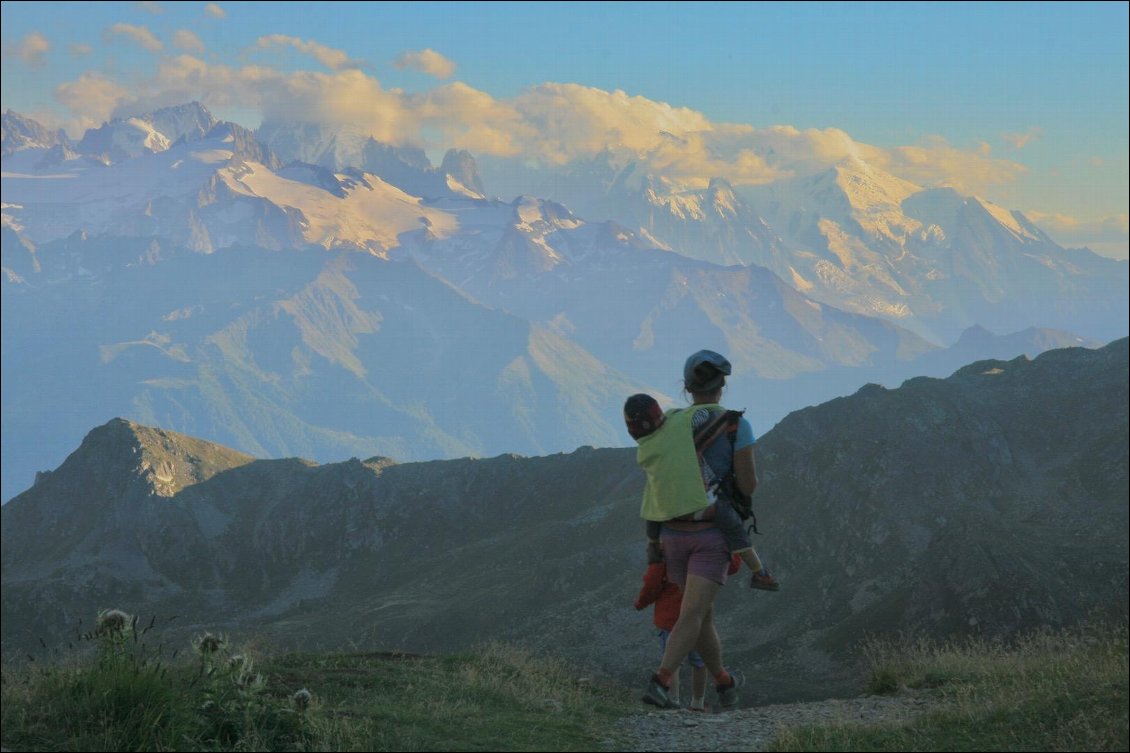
[653,581]
[654,553]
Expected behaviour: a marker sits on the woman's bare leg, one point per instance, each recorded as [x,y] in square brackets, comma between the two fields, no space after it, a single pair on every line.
[709,645]
[696,613]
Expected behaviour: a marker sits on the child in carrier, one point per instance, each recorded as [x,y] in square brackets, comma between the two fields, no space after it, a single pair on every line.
[643,417]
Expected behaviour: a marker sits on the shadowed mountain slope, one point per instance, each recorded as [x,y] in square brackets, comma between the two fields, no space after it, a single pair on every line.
[988,502]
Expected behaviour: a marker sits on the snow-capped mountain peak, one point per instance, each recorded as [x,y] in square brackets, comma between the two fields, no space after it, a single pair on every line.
[244,144]
[18,132]
[461,173]
[1015,222]
[205,291]
[866,187]
[329,145]
[341,147]
[543,215]
[721,197]
[128,137]
[947,209]
[851,236]
[189,121]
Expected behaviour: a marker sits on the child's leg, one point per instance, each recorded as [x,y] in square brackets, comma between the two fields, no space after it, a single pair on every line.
[698,688]
[749,556]
[761,579]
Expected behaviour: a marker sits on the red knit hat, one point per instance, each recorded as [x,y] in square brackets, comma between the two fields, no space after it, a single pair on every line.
[642,415]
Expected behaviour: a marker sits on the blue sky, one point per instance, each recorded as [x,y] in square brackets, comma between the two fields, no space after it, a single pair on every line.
[1023,103]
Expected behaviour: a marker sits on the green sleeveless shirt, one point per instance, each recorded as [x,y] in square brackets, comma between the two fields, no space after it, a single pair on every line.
[674,480]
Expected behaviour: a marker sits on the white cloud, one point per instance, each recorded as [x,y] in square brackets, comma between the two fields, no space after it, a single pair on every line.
[573,120]
[344,97]
[1109,228]
[137,34]
[795,151]
[568,122]
[347,96]
[1114,250]
[1114,227]
[78,49]
[32,49]
[550,124]
[467,118]
[151,7]
[215,11]
[934,162]
[185,40]
[1021,140]
[426,61]
[1108,235]
[92,98]
[335,60]
[48,118]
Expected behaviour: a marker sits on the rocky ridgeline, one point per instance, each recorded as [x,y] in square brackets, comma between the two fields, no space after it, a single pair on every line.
[991,501]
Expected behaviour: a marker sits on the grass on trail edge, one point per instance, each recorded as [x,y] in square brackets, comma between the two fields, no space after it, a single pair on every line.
[1063,690]
[124,697]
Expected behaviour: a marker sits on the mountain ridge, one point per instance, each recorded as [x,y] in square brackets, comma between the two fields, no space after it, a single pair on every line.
[931,509]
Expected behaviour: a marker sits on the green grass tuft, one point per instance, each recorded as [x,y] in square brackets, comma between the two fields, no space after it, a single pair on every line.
[499,698]
[124,697]
[1064,690]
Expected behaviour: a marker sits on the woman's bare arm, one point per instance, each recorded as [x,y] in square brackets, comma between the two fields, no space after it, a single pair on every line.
[745,470]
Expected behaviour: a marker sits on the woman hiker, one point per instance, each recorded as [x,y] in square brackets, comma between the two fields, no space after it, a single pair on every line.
[695,550]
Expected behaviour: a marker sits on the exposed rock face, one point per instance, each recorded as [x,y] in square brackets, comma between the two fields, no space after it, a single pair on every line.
[992,501]
[460,164]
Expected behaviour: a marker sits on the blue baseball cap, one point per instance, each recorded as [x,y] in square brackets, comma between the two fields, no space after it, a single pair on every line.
[705,371]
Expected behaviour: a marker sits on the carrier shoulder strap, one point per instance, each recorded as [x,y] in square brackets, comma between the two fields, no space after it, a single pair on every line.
[725,422]
[722,422]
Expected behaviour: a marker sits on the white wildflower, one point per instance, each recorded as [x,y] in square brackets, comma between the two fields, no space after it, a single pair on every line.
[208,644]
[113,622]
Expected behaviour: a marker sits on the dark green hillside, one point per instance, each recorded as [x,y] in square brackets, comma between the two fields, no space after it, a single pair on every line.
[986,503]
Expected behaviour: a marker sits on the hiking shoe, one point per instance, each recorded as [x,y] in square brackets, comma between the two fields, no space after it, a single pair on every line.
[728,694]
[656,694]
[764,581]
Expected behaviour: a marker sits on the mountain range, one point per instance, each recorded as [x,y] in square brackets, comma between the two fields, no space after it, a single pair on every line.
[989,502]
[307,290]
[857,238]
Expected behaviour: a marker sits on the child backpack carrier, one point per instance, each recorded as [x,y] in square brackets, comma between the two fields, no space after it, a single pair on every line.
[725,423]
